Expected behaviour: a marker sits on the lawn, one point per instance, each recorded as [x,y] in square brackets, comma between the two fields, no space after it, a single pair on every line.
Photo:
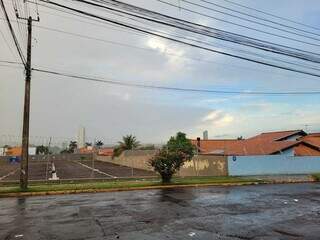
[124,184]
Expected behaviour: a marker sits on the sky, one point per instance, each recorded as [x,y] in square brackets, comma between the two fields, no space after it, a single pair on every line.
[60,106]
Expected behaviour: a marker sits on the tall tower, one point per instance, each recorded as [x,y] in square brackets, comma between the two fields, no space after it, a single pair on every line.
[205,135]
[81,141]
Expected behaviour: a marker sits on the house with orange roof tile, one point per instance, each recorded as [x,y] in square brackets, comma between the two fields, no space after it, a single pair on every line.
[290,143]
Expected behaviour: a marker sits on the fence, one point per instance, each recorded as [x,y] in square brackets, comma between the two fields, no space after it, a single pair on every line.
[272,164]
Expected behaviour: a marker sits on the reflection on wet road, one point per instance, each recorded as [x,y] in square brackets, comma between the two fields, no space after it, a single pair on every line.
[289,211]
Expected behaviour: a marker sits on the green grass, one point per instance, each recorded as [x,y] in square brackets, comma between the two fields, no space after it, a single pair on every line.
[122,184]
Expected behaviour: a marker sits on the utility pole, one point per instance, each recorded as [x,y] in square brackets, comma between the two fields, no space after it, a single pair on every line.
[26,112]
[26,115]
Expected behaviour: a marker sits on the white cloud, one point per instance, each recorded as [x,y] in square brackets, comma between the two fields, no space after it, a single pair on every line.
[173,54]
[217,118]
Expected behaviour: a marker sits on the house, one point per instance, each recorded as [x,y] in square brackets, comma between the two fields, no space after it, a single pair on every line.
[290,143]
[105,151]
[17,151]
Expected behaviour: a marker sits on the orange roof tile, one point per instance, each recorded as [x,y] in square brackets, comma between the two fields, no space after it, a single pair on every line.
[274,136]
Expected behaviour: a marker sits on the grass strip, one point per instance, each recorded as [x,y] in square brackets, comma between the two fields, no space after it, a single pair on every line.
[125,184]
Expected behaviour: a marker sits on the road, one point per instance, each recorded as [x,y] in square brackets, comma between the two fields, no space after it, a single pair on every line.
[285,211]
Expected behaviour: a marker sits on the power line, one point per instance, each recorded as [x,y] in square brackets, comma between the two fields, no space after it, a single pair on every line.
[11,66]
[313,68]
[9,47]
[85,17]
[201,29]
[185,43]
[167,53]
[10,62]
[149,49]
[272,15]
[13,33]
[247,27]
[249,15]
[113,82]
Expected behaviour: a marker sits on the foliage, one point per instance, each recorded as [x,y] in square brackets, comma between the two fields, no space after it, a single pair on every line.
[172,156]
[180,143]
[72,147]
[98,144]
[88,144]
[42,150]
[129,142]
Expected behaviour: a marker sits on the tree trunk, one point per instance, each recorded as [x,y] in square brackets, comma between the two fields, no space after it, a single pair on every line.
[166,178]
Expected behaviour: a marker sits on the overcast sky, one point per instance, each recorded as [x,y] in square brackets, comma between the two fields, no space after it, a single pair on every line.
[59,105]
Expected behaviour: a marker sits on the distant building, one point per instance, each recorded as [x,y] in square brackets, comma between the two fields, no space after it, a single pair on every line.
[205,135]
[81,141]
[290,143]
[105,152]
[17,151]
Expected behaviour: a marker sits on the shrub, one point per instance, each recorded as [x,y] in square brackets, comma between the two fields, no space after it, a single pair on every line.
[172,156]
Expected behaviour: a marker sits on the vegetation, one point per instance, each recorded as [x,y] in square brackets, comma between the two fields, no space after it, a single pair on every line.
[129,142]
[42,150]
[72,147]
[316,177]
[98,144]
[121,184]
[172,156]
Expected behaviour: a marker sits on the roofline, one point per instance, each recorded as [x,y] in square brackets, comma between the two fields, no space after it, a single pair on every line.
[298,131]
[210,140]
[287,147]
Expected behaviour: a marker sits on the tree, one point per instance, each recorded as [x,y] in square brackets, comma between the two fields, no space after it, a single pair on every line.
[72,146]
[172,156]
[99,144]
[129,142]
[42,150]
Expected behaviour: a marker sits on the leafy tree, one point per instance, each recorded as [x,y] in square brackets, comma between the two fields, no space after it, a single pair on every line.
[172,156]
[128,142]
[42,149]
[72,147]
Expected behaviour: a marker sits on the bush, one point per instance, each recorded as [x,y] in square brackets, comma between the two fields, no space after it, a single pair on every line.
[172,156]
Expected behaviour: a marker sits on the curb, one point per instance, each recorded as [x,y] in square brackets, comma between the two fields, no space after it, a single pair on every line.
[79,191]
[63,192]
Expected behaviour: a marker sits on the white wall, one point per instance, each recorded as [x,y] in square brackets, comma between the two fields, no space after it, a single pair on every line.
[272,164]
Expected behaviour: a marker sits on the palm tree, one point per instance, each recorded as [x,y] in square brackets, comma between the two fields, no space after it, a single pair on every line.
[99,144]
[72,146]
[129,142]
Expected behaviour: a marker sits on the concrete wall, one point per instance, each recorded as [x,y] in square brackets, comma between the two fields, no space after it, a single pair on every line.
[205,165]
[134,158]
[272,164]
[201,165]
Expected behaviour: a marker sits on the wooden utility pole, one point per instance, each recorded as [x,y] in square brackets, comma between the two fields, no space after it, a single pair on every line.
[26,115]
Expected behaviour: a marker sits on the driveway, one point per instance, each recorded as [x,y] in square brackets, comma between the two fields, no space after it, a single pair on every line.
[285,211]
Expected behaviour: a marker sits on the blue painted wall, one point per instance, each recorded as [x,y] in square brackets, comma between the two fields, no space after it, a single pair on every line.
[272,164]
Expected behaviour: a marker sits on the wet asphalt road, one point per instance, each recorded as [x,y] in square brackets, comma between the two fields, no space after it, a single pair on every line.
[247,212]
